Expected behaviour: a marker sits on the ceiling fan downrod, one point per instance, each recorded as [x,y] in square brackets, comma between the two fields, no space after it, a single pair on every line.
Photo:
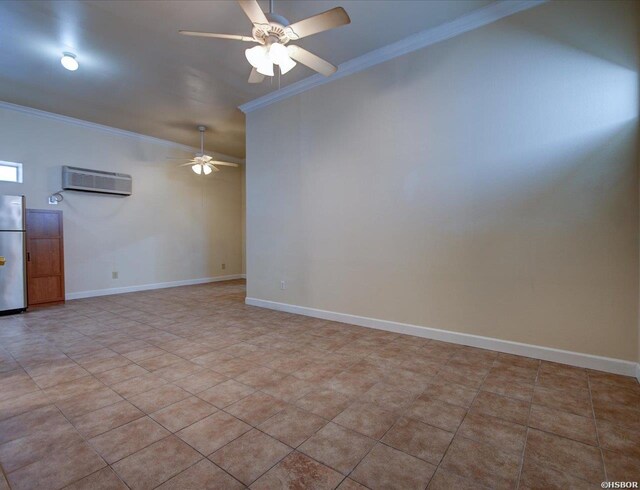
[202,129]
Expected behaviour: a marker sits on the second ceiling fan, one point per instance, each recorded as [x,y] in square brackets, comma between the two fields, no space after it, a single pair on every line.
[273,32]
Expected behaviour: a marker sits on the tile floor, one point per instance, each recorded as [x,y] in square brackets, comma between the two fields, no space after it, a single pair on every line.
[188,388]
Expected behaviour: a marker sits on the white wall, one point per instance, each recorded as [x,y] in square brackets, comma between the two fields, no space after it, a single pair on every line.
[486,185]
[175,226]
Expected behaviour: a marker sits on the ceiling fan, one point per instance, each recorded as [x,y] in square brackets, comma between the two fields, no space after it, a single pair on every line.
[203,164]
[273,32]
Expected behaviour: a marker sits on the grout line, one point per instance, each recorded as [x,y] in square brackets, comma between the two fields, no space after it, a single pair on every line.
[595,423]
[526,435]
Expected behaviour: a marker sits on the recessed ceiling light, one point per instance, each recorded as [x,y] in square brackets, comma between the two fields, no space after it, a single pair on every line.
[69,61]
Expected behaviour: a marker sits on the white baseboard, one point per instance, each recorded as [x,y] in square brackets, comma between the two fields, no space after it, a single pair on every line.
[147,287]
[617,366]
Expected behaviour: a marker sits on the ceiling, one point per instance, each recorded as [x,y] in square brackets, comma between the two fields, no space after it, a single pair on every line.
[137,73]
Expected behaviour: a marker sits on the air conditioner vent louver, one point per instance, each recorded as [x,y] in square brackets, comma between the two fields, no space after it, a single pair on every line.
[82,179]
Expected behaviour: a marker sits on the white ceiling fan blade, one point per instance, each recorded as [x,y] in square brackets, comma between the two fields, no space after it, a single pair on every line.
[255,77]
[311,60]
[225,164]
[188,164]
[330,19]
[234,37]
[253,11]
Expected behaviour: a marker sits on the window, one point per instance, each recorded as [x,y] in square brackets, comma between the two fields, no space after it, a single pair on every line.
[10,172]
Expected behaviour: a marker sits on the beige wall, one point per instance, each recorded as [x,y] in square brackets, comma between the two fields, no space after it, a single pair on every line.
[174,227]
[486,185]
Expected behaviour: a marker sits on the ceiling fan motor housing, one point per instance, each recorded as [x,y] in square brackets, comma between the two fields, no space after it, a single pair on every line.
[275,31]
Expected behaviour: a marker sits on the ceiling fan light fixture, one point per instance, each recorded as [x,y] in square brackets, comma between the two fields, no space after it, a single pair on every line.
[287,65]
[197,168]
[266,69]
[69,61]
[278,53]
[207,169]
[258,57]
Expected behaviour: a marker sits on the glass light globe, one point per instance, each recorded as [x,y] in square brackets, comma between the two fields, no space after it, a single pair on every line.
[197,168]
[258,58]
[69,61]
[207,169]
[287,65]
[278,53]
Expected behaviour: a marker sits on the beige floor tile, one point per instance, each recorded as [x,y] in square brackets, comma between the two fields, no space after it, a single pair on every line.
[104,479]
[565,455]
[36,446]
[200,381]
[445,480]
[250,455]
[137,385]
[576,401]
[24,403]
[58,469]
[349,484]
[225,393]
[213,432]
[502,407]
[183,413]
[117,375]
[367,418]
[292,425]
[621,467]
[156,463]
[256,408]
[566,424]
[298,471]
[82,404]
[204,475]
[221,370]
[339,448]
[537,475]
[618,438]
[289,388]
[41,419]
[94,423]
[451,393]
[436,412]
[504,435]
[159,362]
[127,439]
[153,400]
[388,468]
[482,463]
[419,439]
[388,396]
[325,402]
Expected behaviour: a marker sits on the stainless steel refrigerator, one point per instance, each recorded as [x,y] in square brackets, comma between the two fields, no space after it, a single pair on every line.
[13,290]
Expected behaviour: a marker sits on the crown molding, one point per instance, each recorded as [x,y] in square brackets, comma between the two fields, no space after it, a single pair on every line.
[473,20]
[108,129]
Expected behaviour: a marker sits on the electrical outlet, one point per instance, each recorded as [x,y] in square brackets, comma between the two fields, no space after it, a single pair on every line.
[283,285]
[114,275]
[224,266]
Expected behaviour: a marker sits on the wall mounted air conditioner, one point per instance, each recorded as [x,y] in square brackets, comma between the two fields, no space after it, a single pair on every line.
[82,179]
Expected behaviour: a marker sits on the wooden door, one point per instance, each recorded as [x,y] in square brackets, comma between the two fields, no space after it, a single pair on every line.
[45,257]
